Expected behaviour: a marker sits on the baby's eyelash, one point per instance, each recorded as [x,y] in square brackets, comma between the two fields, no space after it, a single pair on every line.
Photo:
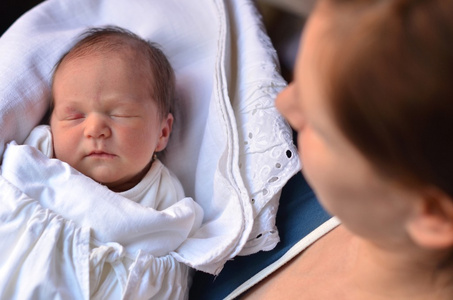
[120,116]
[75,116]
[123,115]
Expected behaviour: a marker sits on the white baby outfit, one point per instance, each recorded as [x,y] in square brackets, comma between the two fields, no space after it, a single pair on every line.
[105,244]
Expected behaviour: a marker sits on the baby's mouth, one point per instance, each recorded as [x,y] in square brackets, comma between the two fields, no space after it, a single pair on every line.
[100,154]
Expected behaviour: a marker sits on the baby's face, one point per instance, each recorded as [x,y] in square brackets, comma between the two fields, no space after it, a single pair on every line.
[105,123]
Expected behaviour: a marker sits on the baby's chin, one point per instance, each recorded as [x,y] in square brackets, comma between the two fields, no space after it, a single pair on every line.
[117,183]
[108,178]
[114,178]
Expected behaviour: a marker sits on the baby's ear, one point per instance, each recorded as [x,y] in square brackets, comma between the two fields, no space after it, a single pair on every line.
[431,226]
[166,127]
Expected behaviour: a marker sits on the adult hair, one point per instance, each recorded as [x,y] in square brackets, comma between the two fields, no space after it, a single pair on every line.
[102,40]
[390,85]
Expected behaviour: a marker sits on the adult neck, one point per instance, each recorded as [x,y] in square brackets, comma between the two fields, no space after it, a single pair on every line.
[380,272]
[343,266]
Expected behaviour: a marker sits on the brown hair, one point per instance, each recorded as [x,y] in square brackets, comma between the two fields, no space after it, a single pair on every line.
[110,39]
[391,85]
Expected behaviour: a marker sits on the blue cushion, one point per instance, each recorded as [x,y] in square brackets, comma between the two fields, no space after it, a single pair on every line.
[299,214]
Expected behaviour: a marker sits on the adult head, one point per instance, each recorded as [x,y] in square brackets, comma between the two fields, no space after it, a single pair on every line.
[373,106]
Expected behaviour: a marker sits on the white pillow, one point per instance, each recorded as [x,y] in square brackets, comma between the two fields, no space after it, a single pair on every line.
[230,148]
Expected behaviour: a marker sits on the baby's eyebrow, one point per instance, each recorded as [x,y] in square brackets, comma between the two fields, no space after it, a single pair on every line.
[67,106]
[119,100]
[68,110]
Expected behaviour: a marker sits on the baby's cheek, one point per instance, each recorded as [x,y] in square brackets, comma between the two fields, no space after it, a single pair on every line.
[64,148]
[137,150]
[61,153]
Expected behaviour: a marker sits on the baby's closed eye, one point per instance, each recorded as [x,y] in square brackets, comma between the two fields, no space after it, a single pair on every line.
[124,113]
[74,116]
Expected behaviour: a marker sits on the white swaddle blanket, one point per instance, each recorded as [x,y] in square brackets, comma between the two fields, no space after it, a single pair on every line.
[230,148]
[76,226]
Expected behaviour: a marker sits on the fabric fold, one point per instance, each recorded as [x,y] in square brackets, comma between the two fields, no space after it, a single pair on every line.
[111,217]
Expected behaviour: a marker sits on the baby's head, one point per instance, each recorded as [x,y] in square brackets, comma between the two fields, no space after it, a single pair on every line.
[112,101]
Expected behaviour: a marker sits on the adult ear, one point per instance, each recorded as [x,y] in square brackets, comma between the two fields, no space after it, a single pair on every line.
[166,127]
[432,224]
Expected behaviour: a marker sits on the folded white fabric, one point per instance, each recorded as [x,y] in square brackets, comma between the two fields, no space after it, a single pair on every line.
[111,217]
[230,148]
[46,256]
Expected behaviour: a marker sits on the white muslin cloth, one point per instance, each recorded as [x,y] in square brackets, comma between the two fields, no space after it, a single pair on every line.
[62,222]
[230,148]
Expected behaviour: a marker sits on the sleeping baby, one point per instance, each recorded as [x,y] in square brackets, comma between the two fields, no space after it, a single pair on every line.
[112,101]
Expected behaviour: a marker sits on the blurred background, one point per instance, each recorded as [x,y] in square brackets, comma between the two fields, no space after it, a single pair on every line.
[283,19]
[10,10]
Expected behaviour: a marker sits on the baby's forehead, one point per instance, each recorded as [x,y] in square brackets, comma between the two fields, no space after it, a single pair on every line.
[130,62]
[125,48]
[127,54]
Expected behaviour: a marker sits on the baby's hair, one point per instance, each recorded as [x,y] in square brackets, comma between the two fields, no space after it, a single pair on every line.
[101,40]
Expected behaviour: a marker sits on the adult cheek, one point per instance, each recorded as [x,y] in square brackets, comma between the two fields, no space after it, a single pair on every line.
[307,158]
[284,100]
[314,167]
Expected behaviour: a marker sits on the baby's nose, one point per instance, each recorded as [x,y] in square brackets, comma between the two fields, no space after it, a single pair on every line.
[97,126]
